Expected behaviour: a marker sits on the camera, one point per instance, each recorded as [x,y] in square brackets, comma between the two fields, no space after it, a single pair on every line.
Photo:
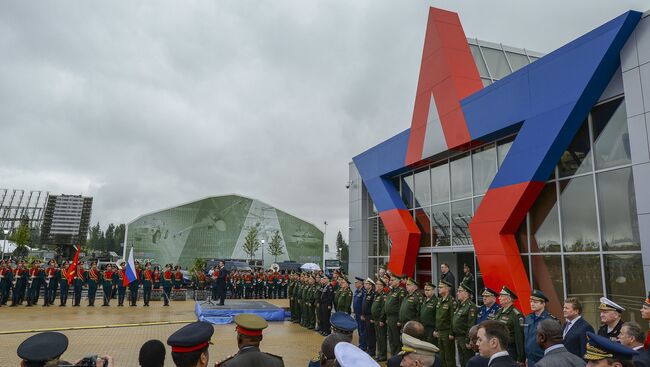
[348,184]
[88,361]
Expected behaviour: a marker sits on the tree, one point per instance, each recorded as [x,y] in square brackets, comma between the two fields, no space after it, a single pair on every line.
[251,242]
[342,251]
[120,232]
[95,234]
[22,237]
[276,246]
[109,238]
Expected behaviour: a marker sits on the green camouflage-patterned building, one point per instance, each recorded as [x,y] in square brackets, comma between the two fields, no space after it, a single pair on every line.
[216,227]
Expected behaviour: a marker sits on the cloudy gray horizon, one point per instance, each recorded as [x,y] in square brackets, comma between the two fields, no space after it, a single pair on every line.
[147,105]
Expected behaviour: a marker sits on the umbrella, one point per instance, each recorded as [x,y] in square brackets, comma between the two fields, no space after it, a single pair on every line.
[310,266]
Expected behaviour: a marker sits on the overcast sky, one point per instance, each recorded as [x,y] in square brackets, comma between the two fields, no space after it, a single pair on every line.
[145,105]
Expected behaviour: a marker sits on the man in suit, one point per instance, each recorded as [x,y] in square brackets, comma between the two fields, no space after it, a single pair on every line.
[249,336]
[575,327]
[448,276]
[610,316]
[492,341]
[632,336]
[549,338]
[221,283]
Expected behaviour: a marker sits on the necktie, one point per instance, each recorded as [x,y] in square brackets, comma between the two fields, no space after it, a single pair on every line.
[566,328]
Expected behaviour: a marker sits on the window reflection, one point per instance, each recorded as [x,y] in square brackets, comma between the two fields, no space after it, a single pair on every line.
[522,237]
[461,214]
[583,280]
[478,59]
[440,222]
[496,62]
[461,178]
[422,188]
[547,277]
[517,61]
[617,203]
[373,236]
[578,205]
[407,190]
[576,158]
[484,164]
[424,224]
[502,150]
[611,138]
[384,241]
[624,282]
[440,184]
[544,221]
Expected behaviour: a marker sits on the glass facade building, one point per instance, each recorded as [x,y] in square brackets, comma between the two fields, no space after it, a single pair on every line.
[586,234]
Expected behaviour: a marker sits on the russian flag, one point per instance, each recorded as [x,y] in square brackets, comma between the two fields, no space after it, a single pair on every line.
[130,270]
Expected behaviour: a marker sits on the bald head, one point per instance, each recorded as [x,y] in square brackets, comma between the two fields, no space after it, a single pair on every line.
[414,329]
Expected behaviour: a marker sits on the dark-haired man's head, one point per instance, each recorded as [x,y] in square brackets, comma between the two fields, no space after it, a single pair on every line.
[549,333]
[152,354]
[493,337]
[197,358]
[327,357]
[414,329]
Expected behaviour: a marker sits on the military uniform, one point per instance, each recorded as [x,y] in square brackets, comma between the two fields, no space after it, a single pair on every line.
[343,300]
[428,317]
[147,284]
[167,283]
[20,282]
[379,321]
[325,305]
[6,282]
[121,288]
[292,305]
[485,312]
[533,351]
[50,284]
[366,317]
[35,277]
[393,302]
[464,318]
[107,286]
[64,285]
[191,338]
[79,280]
[608,305]
[514,320]
[92,281]
[410,307]
[310,306]
[444,314]
[250,355]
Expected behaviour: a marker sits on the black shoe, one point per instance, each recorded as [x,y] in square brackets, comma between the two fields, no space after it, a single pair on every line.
[61,305]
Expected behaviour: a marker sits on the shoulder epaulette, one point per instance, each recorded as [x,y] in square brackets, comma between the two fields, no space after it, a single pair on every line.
[272,355]
[225,360]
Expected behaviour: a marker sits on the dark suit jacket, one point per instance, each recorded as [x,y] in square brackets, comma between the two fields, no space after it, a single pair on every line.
[477,361]
[560,357]
[252,356]
[642,359]
[575,340]
[503,361]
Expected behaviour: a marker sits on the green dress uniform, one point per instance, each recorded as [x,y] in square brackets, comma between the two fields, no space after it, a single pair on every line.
[310,303]
[292,286]
[410,308]
[428,318]
[343,300]
[464,318]
[393,302]
[378,317]
[514,320]
[444,313]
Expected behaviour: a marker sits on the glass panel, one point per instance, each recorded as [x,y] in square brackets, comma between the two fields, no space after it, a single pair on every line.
[517,61]
[547,277]
[624,282]
[461,180]
[440,221]
[484,164]
[373,236]
[478,59]
[382,262]
[503,148]
[618,219]
[576,159]
[545,222]
[440,184]
[384,240]
[611,138]
[486,82]
[522,237]
[477,202]
[372,266]
[533,59]
[579,228]
[496,62]
[407,190]
[424,224]
[583,280]
[461,213]
[423,270]
[372,209]
[422,189]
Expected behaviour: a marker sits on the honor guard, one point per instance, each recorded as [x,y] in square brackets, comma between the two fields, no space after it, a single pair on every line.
[39,349]
[427,315]
[538,302]
[490,306]
[393,302]
[178,277]
[6,281]
[34,281]
[134,286]
[64,283]
[51,283]
[249,336]
[20,283]
[121,279]
[147,284]
[93,281]
[464,318]
[190,344]
[379,319]
[410,307]
[107,285]
[444,313]
[610,316]
[78,283]
[343,300]
[514,320]
[167,281]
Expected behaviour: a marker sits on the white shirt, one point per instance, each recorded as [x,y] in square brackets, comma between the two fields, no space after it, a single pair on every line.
[572,322]
[551,348]
[497,355]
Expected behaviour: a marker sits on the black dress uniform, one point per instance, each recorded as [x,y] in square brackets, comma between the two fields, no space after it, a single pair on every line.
[250,355]
[366,314]
[325,305]
[608,305]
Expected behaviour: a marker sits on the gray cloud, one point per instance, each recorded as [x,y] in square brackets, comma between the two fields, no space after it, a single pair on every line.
[150,104]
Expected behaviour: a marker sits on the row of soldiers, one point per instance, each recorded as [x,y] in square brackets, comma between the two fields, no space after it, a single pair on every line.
[248,284]
[22,282]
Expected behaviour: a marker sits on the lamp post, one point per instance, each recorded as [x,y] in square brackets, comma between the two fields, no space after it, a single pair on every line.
[263,253]
[4,242]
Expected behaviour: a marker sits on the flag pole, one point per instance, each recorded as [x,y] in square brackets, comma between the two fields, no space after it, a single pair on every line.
[126,235]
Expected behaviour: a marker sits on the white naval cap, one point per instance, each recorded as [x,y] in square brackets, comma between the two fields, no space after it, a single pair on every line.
[348,355]
[415,345]
[608,305]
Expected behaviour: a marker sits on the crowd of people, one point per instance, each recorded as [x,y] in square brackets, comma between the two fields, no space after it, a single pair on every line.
[22,282]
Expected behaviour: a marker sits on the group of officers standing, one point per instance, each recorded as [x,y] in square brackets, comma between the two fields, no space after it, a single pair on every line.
[20,282]
[383,305]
